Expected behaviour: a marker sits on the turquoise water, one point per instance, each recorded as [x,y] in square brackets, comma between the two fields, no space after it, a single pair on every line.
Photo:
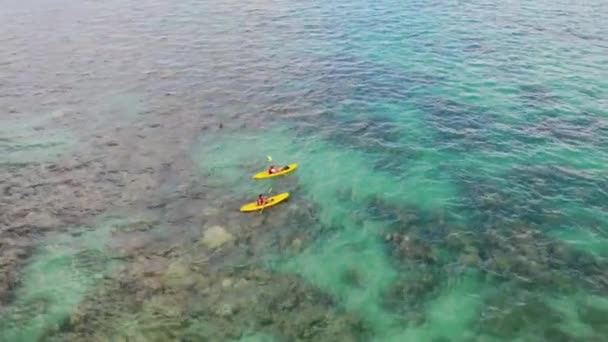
[451,185]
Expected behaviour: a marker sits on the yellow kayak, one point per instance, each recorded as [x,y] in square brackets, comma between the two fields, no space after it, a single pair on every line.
[274,200]
[265,174]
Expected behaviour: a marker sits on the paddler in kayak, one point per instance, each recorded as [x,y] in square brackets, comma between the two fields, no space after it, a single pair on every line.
[273,169]
[261,200]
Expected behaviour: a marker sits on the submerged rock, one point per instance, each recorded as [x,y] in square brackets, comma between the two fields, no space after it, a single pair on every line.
[225,310]
[42,220]
[180,276]
[296,244]
[227,282]
[216,236]
[470,259]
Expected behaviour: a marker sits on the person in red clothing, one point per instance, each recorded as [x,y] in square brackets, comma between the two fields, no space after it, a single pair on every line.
[272,169]
[261,200]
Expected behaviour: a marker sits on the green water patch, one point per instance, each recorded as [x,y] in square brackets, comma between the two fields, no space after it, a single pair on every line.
[55,280]
[229,161]
[256,338]
[518,315]
[322,183]
[581,314]
[34,139]
[353,267]
[449,315]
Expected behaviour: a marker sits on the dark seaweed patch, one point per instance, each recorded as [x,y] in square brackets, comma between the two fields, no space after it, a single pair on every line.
[459,127]
[408,295]
[512,315]
[582,129]
[531,191]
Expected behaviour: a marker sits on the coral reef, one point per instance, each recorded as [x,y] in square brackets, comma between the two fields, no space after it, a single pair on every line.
[157,300]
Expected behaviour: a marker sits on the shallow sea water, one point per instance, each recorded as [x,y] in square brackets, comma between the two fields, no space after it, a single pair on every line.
[451,186]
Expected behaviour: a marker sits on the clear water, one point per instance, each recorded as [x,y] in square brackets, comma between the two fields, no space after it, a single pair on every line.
[451,183]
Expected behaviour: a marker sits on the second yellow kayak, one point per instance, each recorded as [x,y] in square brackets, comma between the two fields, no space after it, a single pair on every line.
[274,200]
[264,174]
